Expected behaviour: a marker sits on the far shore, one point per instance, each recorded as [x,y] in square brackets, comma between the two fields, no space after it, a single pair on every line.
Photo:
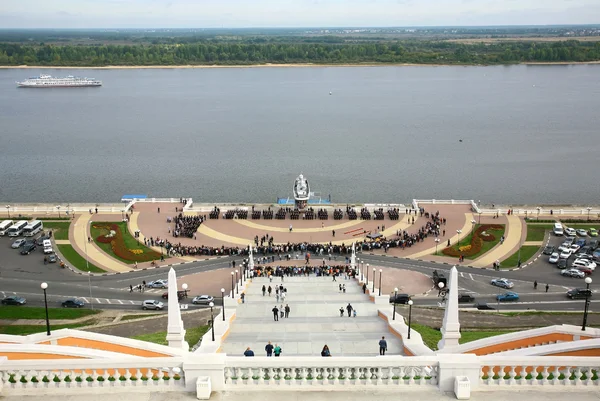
[291,65]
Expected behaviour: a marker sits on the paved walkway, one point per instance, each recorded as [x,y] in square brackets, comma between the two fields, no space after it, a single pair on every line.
[466,228]
[512,241]
[314,320]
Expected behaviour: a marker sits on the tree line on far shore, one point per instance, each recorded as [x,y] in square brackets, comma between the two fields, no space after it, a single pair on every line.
[208,52]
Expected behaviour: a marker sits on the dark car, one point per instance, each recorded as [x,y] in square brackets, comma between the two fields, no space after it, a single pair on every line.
[562,264]
[40,240]
[14,300]
[579,293]
[593,244]
[399,299]
[466,298]
[73,303]
[52,258]
[439,277]
[27,249]
[549,250]
[180,295]
[484,307]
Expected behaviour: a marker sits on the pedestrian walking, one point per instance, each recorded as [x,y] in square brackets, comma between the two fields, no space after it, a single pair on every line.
[269,290]
[287,311]
[275,313]
[535,285]
[243,297]
[547,287]
[333,275]
[290,228]
[364,288]
[340,287]
[269,349]
[344,288]
[276,295]
[342,311]
[130,288]
[264,290]
[281,311]
[333,232]
[277,350]
[158,210]
[349,309]
[382,346]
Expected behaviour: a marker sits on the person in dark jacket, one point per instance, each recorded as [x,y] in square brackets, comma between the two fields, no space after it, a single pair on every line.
[248,352]
[325,351]
[269,349]
[382,346]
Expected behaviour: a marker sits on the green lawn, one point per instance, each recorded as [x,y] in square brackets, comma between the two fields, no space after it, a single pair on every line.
[431,336]
[537,232]
[76,260]
[192,336]
[487,245]
[527,252]
[24,330]
[32,312]
[60,229]
[128,239]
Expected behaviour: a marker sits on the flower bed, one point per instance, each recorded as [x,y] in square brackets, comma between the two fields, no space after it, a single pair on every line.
[112,235]
[480,236]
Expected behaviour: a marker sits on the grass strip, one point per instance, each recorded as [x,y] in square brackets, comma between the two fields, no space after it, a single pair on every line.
[60,229]
[527,252]
[535,233]
[76,260]
[32,329]
[432,336]
[33,312]
[192,336]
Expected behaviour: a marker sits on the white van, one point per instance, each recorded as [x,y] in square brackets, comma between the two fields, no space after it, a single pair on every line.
[558,229]
[17,229]
[4,226]
[47,247]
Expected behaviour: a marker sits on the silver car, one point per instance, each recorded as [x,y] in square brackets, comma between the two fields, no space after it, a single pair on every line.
[18,243]
[202,300]
[151,304]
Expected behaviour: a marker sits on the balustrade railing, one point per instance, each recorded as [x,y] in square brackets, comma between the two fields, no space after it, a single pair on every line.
[539,371]
[25,377]
[307,371]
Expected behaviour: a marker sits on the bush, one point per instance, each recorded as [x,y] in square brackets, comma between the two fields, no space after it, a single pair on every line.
[477,240]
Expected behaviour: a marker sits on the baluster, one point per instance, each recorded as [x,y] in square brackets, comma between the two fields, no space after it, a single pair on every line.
[401,374]
[61,376]
[567,376]
[261,376]
[545,375]
[347,373]
[390,376]
[94,376]
[368,375]
[422,374]
[106,377]
[512,373]
[227,375]
[272,372]
[589,376]
[523,374]
[40,378]
[556,375]
[379,376]
[501,375]
[28,376]
[577,373]
[411,375]
[305,373]
[159,375]
[490,375]
[434,375]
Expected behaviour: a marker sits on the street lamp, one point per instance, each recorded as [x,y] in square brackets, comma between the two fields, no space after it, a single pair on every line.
[223,300]
[237,288]
[410,304]
[588,281]
[479,217]
[458,242]
[58,208]
[232,286]
[184,286]
[374,270]
[44,286]
[8,210]
[437,241]
[395,297]
[367,278]
[122,214]
[380,273]
[212,320]
[538,209]
[473,222]
[441,286]
[589,209]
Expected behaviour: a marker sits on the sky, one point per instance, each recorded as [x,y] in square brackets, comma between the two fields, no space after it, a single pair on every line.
[292,13]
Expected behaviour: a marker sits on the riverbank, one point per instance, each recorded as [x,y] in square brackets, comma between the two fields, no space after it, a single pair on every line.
[290,65]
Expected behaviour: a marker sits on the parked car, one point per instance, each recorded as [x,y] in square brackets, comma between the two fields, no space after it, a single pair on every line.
[581,242]
[439,277]
[570,239]
[507,296]
[18,243]
[27,249]
[548,250]
[564,246]
[484,307]
[592,232]
[502,283]
[52,258]
[158,284]
[586,271]
[39,241]
[586,250]
[588,264]
[572,273]
[579,293]
[596,255]
[73,303]
[14,300]
[554,257]
[465,298]
[584,256]
[575,248]
[570,231]
[180,295]
[565,254]
[581,232]
[151,304]
[206,299]
[562,264]
[593,244]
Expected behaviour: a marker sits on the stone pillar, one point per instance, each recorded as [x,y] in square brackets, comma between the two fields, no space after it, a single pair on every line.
[353,257]
[251,259]
[452,365]
[175,330]
[451,326]
[205,365]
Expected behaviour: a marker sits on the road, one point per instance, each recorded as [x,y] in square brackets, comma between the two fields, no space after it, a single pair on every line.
[23,275]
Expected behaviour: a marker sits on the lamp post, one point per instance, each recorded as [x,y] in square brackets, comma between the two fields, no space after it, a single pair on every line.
[374,270]
[87,267]
[589,209]
[223,300]
[538,209]
[479,217]
[395,297]
[237,281]
[232,286]
[410,304]
[8,210]
[122,214]
[212,320]
[588,281]
[380,273]
[441,286]
[367,272]
[58,208]
[458,242]
[473,222]
[184,287]
[44,286]
[437,241]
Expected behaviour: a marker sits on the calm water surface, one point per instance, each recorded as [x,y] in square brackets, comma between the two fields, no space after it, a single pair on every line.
[385,134]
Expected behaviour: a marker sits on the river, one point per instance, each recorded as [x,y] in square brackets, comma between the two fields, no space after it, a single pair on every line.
[503,134]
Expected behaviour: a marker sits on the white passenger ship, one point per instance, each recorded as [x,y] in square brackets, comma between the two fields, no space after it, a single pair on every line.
[47,81]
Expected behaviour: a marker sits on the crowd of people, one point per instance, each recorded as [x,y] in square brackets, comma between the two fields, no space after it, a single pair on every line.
[186,226]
